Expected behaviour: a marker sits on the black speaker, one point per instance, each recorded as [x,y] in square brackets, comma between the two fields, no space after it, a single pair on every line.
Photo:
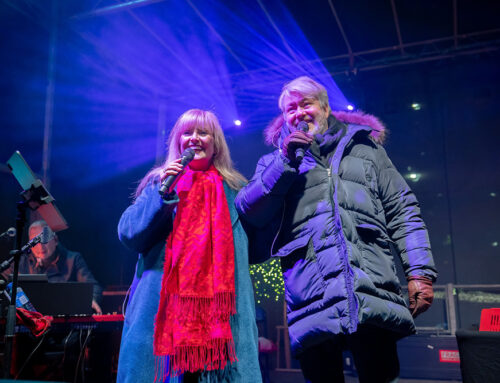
[479,356]
[429,356]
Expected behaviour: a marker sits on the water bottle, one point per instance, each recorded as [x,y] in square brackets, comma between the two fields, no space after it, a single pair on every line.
[22,299]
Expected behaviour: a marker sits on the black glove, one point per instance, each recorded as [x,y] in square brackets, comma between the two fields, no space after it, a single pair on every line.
[420,293]
[295,140]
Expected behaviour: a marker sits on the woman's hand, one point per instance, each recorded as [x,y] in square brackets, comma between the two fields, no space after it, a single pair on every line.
[172,169]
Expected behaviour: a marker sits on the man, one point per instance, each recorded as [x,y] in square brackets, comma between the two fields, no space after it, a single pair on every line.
[331,218]
[60,264]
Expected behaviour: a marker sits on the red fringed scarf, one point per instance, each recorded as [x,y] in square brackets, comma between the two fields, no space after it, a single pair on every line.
[36,322]
[198,295]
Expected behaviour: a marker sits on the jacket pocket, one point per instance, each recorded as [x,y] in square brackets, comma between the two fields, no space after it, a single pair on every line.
[376,254]
[304,282]
[293,245]
[372,233]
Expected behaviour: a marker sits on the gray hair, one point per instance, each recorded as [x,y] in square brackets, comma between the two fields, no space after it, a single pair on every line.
[306,87]
[41,223]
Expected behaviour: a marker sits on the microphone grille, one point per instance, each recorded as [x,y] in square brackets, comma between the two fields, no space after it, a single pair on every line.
[302,125]
[47,235]
[11,232]
[187,155]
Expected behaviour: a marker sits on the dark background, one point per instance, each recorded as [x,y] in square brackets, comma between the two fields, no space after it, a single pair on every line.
[105,109]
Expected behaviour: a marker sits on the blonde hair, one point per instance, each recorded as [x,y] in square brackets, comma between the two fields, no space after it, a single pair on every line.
[221,160]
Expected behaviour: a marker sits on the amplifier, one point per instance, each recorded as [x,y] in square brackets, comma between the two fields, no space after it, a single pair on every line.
[429,356]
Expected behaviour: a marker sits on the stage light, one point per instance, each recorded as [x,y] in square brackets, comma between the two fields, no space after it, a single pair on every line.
[493,194]
[416,106]
[350,107]
[117,93]
[415,177]
[494,244]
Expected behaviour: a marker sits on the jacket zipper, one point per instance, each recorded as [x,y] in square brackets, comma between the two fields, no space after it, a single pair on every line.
[349,274]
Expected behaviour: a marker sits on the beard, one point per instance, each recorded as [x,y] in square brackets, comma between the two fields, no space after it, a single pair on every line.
[320,125]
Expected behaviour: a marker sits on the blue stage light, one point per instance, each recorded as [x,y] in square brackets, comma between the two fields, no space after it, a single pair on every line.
[123,78]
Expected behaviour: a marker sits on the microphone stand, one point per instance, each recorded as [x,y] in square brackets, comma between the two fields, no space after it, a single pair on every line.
[37,198]
[24,250]
[11,312]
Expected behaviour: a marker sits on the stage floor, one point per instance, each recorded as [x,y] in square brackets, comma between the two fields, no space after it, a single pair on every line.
[296,377]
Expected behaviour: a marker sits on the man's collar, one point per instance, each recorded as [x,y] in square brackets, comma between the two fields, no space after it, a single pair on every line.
[334,127]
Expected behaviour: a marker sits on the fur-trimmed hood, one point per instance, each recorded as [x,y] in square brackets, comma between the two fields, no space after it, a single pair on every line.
[378,130]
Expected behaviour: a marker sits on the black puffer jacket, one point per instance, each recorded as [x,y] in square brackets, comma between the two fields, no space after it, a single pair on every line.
[338,214]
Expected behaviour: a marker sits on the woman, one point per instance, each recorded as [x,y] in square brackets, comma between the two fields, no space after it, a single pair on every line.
[191,310]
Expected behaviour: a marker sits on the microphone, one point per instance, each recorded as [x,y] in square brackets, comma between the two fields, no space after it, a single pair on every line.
[10,232]
[44,237]
[300,152]
[186,157]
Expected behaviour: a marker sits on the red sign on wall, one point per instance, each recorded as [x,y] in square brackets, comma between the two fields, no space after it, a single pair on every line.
[449,356]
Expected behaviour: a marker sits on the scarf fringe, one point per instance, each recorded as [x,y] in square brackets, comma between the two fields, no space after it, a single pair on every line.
[208,357]
[161,369]
[217,308]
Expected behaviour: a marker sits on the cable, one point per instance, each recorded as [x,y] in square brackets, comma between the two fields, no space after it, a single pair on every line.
[279,229]
[82,351]
[65,344]
[125,301]
[29,356]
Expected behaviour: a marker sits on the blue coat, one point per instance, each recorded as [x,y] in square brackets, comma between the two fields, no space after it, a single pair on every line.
[332,222]
[144,227]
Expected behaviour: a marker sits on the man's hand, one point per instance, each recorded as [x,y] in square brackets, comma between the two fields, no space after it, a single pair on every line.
[96,308]
[295,140]
[420,293]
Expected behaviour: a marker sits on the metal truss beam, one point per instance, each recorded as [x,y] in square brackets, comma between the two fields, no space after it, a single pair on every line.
[396,24]
[342,32]
[344,60]
[455,24]
[115,8]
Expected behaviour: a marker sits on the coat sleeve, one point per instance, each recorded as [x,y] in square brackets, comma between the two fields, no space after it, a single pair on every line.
[148,220]
[83,274]
[405,225]
[261,200]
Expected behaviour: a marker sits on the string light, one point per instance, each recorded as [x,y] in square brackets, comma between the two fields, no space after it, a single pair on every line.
[267,280]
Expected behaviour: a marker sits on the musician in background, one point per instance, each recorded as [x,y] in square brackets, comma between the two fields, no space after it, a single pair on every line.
[59,263]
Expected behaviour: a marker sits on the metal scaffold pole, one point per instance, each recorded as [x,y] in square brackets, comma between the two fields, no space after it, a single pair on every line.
[49,96]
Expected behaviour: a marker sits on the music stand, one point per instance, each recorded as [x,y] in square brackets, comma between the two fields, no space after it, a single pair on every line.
[35,197]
